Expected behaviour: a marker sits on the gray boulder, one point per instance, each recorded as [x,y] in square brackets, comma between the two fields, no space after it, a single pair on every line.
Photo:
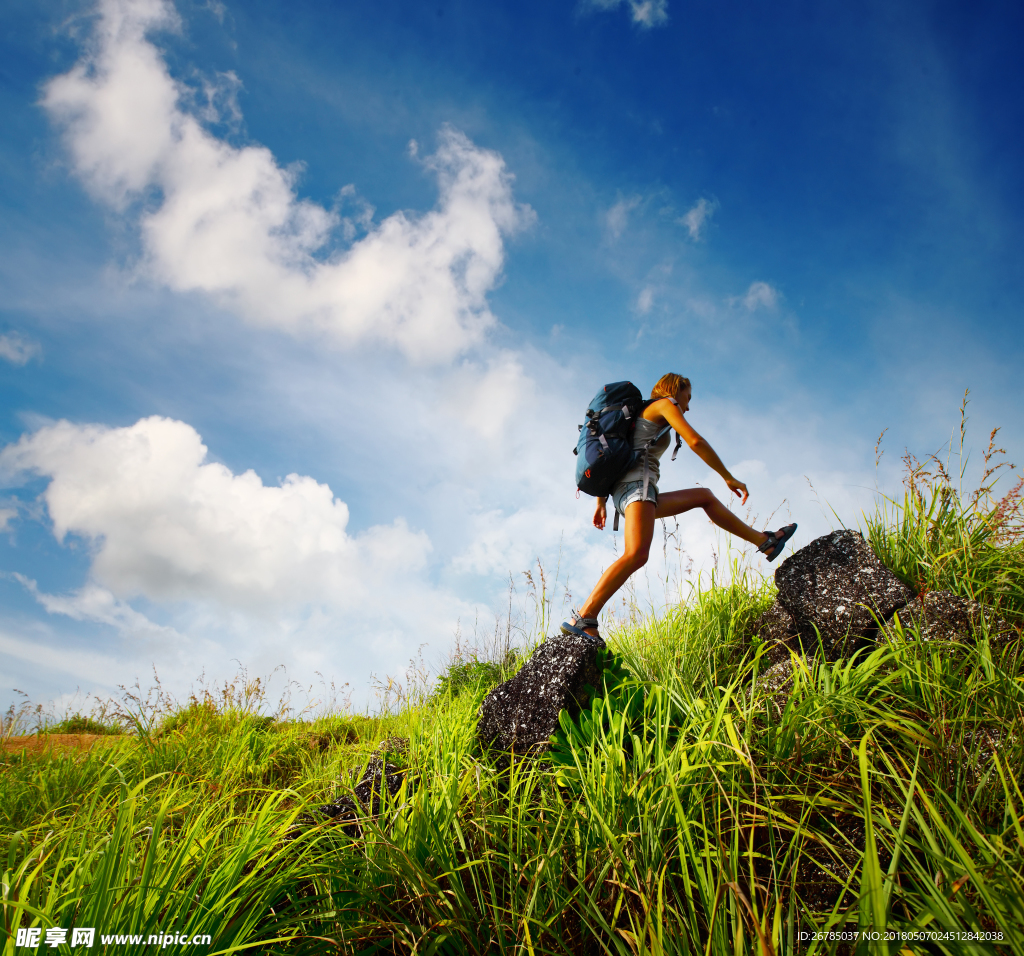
[519,716]
[945,616]
[837,585]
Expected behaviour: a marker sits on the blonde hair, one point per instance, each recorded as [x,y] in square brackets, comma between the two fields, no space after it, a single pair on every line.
[668,386]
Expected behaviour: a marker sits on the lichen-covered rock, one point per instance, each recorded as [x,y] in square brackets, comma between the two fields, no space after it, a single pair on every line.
[945,616]
[825,867]
[776,684]
[520,715]
[969,759]
[837,585]
[778,630]
[378,778]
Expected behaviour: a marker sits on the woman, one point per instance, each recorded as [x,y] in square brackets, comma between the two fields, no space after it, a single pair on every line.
[670,400]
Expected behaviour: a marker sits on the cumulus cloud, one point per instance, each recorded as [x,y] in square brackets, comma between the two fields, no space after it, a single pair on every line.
[698,216]
[166,524]
[644,13]
[17,350]
[227,221]
[760,295]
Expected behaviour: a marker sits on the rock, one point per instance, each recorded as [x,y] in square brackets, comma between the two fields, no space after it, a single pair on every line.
[778,630]
[824,869]
[776,683]
[969,759]
[377,778]
[520,715]
[834,584]
[776,624]
[945,616]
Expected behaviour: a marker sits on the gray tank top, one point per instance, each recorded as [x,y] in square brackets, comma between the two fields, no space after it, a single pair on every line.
[643,433]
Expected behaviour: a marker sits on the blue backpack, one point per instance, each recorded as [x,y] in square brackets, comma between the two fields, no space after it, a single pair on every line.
[605,452]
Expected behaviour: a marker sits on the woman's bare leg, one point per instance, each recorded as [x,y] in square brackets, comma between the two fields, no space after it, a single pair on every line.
[676,502]
[638,533]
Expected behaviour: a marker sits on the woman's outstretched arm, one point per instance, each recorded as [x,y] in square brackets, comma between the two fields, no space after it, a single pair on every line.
[700,447]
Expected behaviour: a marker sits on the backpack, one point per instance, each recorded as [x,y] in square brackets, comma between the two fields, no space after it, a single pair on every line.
[605,452]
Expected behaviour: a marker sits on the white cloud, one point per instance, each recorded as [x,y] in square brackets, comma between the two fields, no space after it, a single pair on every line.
[166,524]
[645,300]
[7,515]
[649,13]
[645,13]
[227,220]
[220,100]
[759,295]
[98,605]
[17,350]
[99,669]
[617,218]
[698,216]
[483,397]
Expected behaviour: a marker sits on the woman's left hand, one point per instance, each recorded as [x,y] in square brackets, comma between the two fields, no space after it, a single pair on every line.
[739,489]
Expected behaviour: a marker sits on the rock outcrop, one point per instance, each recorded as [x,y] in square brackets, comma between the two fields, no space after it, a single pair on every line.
[776,629]
[945,616]
[519,716]
[837,587]
[379,781]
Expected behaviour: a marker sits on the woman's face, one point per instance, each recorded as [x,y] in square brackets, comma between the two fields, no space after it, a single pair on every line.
[683,398]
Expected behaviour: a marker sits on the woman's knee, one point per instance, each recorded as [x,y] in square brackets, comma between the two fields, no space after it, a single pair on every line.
[635,560]
[707,498]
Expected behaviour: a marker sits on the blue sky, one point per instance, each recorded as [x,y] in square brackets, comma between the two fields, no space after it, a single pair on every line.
[301,303]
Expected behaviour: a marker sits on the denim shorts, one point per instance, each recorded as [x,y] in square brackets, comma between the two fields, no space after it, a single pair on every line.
[626,493]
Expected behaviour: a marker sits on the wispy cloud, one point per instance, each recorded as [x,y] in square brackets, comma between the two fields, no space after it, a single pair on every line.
[617,218]
[644,13]
[698,217]
[229,223]
[645,300]
[760,295]
[96,604]
[17,350]
[99,669]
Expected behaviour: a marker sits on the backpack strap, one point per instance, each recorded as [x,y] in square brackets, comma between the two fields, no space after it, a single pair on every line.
[612,408]
[647,452]
[679,438]
[653,441]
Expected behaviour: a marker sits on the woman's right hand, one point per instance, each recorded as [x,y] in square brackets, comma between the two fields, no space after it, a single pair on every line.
[738,488]
[600,514]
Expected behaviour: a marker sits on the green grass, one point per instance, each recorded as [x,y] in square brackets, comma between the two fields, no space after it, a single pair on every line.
[684,811]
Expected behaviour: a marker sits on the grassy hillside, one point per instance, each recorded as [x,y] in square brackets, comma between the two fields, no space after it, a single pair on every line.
[691,809]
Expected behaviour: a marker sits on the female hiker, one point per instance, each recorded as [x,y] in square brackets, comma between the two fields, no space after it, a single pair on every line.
[670,400]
